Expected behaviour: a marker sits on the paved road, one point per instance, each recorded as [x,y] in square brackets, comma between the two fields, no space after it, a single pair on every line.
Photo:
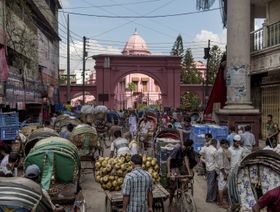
[95,197]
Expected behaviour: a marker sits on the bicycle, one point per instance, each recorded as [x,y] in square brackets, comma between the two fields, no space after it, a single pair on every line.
[183,196]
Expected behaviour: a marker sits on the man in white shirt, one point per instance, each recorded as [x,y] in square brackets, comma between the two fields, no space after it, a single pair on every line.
[132,121]
[236,151]
[248,140]
[209,157]
[119,145]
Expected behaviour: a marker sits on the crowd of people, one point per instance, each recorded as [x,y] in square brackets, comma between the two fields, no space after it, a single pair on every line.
[217,158]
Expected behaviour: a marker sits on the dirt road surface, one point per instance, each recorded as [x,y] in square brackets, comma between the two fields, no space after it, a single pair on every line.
[95,197]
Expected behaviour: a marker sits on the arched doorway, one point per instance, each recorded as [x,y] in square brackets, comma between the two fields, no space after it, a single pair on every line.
[77,99]
[165,70]
[137,91]
[190,101]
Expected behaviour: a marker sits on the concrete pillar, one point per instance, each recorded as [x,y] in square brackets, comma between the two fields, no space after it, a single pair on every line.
[238,55]
[239,110]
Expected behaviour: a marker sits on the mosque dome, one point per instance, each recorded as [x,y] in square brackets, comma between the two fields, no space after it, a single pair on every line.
[136,46]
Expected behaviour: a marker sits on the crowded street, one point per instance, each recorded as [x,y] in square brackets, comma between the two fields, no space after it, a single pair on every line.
[139,106]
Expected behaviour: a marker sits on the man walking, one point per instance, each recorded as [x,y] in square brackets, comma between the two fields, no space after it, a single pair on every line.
[236,151]
[223,167]
[248,140]
[272,131]
[137,188]
[210,154]
[231,135]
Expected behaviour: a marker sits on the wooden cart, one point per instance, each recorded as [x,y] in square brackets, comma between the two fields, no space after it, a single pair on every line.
[114,199]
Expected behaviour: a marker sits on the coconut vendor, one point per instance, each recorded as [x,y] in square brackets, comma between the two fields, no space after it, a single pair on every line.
[119,145]
[137,188]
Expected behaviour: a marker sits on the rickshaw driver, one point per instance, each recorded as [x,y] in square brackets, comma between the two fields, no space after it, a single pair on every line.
[179,163]
[32,172]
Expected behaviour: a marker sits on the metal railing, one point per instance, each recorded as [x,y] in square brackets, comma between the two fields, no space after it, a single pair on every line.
[257,40]
[265,37]
[273,34]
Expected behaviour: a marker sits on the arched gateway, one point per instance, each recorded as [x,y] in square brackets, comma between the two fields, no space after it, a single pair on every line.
[110,69]
[136,58]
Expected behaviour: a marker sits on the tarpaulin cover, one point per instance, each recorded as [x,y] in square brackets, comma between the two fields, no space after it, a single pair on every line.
[56,157]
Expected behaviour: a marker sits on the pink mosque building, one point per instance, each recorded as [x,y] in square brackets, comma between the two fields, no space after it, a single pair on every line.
[147,90]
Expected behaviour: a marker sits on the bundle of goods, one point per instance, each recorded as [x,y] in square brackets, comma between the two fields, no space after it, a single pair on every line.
[256,174]
[85,138]
[164,148]
[87,112]
[63,120]
[26,131]
[110,172]
[36,136]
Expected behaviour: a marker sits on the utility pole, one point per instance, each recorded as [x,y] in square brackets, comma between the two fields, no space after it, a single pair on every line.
[68,61]
[84,66]
[206,56]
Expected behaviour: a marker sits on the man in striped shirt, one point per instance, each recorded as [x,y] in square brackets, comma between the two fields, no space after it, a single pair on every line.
[119,145]
[137,188]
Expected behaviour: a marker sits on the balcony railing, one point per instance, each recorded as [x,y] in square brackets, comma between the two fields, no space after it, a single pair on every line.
[265,37]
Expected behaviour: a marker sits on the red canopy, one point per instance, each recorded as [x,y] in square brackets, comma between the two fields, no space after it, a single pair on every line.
[4,70]
[218,93]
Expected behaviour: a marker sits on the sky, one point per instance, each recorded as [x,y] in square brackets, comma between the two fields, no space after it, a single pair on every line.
[109,35]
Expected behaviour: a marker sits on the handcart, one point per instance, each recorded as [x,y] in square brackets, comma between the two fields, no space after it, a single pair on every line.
[114,199]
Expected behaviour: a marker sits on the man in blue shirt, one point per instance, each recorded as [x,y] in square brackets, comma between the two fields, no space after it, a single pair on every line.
[137,188]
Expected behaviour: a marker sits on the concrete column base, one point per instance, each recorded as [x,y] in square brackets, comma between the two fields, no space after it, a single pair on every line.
[238,117]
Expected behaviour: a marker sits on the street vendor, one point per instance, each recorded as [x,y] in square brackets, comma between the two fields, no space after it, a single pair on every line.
[119,145]
[272,131]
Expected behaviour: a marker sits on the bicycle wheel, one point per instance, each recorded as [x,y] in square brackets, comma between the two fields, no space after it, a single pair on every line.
[188,203]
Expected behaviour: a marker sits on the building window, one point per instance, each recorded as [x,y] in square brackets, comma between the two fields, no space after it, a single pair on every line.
[136,85]
[145,86]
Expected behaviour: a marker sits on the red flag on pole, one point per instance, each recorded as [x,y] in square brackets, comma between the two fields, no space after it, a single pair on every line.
[4,69]
[218,93]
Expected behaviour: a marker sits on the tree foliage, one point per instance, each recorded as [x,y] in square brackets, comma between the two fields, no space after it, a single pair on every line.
[214,63]
[190,74]
[178,47]
[190,101]
[131,86]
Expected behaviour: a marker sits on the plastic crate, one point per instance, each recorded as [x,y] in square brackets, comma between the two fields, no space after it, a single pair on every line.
[197,147]
[199,129]
[198,139]
[218,131]
[9,119]
[9,132]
